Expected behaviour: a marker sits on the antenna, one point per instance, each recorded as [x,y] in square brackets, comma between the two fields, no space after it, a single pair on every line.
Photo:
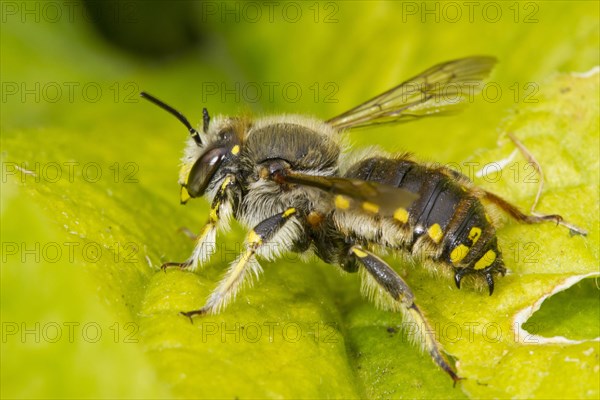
[205,120]
[194,133]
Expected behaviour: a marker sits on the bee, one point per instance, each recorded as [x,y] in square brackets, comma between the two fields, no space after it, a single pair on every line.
[288,180]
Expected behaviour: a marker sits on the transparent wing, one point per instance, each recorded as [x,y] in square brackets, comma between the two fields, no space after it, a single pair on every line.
[438,90]
[356,194]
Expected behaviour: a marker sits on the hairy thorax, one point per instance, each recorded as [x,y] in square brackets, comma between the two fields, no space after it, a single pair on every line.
[301,144]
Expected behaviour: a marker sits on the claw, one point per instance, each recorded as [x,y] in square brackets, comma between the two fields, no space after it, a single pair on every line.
[456,379]
[550,217]
[490,281]
[190,314]
[458,276]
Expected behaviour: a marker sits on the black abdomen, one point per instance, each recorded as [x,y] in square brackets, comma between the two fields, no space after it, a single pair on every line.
[446,214]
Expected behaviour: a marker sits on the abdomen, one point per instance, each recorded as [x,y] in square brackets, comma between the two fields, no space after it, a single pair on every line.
[446,224]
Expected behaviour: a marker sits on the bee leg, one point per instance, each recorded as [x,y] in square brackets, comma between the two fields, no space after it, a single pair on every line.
[205,240]
[515,213]
[534,217]
[382,281]
[459,274]
[202,250]
[246,262]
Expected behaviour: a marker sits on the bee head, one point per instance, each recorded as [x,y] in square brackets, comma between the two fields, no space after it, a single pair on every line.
[204,154]
[222,138]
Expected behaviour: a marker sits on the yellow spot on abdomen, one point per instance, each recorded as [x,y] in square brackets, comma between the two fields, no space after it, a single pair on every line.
[458,253]
[342,202]
[487,260]
[370,207]
[435,233]
[474,234]
[401,214]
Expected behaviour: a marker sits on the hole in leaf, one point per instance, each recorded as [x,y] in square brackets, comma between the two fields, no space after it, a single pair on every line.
[573,313]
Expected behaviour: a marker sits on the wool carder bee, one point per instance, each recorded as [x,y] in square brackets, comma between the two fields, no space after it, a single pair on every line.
[288,180]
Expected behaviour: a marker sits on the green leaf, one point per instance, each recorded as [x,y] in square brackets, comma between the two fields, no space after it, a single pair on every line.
[87,313]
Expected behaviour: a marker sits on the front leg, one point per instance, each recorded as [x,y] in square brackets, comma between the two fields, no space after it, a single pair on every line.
[239,270]
[389,291]
[205,241]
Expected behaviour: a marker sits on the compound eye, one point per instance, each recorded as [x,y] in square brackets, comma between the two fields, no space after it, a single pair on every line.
[203,170]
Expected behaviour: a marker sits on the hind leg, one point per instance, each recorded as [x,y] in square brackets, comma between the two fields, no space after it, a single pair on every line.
[533,217]
[389,290]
